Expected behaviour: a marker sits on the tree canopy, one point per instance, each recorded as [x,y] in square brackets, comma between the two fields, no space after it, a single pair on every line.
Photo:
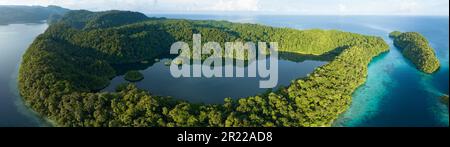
[133,76]
[64,68]
[416,48]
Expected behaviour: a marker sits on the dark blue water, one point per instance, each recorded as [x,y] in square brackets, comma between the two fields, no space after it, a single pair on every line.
[159,81]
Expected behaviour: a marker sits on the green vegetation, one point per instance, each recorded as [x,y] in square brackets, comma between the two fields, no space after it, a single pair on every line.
[416,48]
[65,67]
[29,14]
[395,34]
[444,99]
[133,76]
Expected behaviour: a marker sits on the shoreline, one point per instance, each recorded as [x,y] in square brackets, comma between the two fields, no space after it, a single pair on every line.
[365,81]
[21,105]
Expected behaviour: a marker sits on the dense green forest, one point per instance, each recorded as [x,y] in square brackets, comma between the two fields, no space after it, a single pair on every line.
[65,67]
[133,76]
[416,48]
[29,14]
[444,99]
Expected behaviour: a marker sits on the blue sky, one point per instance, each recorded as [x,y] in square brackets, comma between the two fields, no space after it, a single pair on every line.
[294,7]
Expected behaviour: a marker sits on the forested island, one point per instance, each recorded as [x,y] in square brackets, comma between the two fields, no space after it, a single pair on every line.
[133,76]
[64,68]
[29,14]
[444,99]
[416,48]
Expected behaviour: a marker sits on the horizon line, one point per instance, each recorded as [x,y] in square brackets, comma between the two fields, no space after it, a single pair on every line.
[248,12]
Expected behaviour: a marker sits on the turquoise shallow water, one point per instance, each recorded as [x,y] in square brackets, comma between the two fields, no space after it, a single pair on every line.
[396,94]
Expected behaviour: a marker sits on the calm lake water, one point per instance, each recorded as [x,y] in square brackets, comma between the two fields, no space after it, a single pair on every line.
[159,81]
[14,40]
[395,94]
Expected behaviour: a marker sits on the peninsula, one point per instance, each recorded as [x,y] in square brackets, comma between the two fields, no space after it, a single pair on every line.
[64,68]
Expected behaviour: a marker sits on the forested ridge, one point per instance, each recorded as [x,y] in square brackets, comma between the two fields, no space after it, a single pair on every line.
[29,14]
[64,68]
[416,48]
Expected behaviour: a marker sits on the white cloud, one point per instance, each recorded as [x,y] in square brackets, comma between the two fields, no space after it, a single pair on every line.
[236,5]
[342,8]
[209,5]
[409,6]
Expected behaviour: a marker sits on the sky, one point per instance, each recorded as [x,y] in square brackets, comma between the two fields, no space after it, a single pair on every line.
[291,7]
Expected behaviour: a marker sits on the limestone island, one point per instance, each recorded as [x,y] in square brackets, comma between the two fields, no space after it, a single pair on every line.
[416,48]
[444,99]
